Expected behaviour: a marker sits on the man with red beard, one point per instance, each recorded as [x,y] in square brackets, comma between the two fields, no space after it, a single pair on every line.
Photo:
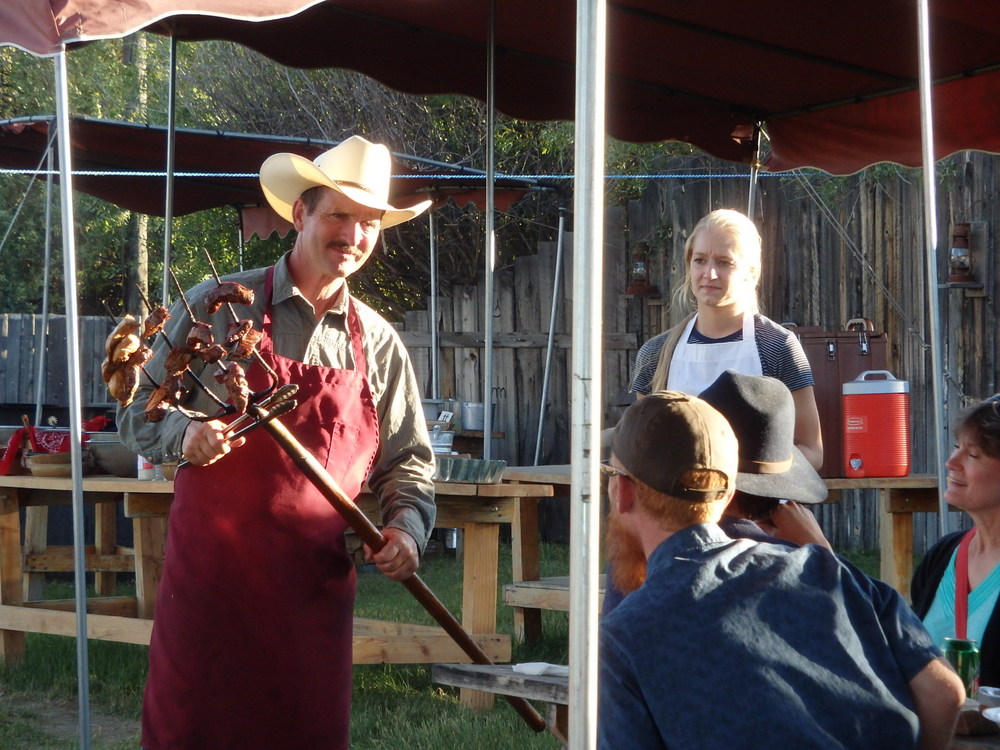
[738,644]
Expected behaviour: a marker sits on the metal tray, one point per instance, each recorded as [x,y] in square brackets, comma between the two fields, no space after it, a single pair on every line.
[469,470]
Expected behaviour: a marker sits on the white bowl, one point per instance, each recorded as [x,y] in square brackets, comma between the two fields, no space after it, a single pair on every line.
[988,696]
[993,714]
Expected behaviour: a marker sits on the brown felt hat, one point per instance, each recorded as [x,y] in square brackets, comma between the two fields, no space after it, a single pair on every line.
[762,413]
[666,434]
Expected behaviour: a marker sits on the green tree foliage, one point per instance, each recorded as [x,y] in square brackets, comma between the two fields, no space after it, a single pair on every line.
[226,87]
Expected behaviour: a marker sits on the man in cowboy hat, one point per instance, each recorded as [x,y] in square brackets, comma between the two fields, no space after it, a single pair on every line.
[252,641]
[741,644]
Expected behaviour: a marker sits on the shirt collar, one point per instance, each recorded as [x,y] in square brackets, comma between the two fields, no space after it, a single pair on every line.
[688,541]
[284,288]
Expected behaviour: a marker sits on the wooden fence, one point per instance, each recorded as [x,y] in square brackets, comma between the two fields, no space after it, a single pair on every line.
[833,250]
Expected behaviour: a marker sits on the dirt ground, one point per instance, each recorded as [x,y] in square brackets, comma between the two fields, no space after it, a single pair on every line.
[59,720]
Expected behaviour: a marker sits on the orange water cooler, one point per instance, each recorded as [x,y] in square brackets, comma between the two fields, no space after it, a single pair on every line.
[876,409]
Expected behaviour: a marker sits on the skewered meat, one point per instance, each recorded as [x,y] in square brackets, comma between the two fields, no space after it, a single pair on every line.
[123,383]
[157,405]
[212,354]
[227,291]
[108,369]
[245,346]
[126,354]
[236,329]
[170,392]
[244,336]
[174,385]
[232,375]
[123,378]
[140,356]
[177,360]
[128,325]
[154,322]
[200,335]
[125,348]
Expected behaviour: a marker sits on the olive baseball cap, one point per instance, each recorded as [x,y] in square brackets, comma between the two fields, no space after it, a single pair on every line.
[661,437]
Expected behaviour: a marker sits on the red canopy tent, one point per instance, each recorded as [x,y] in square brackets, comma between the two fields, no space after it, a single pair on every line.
[836,84]
[123,163]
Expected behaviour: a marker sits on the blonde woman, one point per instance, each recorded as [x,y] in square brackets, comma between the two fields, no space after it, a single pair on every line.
[727,331]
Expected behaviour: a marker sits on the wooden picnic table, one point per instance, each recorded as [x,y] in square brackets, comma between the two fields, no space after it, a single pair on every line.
[478,509]
[554,691]
[898,497]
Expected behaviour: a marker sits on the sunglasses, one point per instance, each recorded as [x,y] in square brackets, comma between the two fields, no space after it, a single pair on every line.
[607,470]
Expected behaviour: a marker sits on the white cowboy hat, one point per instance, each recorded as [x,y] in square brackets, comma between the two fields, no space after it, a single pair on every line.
[356,168]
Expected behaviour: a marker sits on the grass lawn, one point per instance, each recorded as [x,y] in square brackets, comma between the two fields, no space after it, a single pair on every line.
[394,705]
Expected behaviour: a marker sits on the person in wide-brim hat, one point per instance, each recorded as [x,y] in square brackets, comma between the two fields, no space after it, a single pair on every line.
[356,167]
[761,412]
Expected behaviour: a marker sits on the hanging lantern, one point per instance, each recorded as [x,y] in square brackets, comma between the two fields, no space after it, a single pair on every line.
[639,271]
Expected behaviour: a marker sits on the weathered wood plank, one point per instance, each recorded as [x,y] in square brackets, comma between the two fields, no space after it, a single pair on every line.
[502,679]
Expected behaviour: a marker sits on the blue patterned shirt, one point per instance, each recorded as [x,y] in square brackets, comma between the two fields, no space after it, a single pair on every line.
[737,644]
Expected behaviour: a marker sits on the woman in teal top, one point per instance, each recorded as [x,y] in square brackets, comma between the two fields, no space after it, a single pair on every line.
[973,486]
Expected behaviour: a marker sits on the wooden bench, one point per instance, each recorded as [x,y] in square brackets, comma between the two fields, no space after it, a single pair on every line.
[503,680]
[544,593]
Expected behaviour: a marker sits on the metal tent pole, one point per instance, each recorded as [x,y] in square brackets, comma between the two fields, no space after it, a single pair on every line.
[550,345]
[46,280]
[434,361]
[168,214]
[754,172]
[488,324]
[585,446]
[930,238]
[75,389]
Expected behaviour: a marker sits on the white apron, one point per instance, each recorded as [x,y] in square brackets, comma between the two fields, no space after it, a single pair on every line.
[694,367]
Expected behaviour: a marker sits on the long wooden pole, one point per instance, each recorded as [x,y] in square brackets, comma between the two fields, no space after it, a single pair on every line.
[371,536]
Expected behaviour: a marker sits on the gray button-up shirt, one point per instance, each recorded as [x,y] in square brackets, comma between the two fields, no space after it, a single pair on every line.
[401,474]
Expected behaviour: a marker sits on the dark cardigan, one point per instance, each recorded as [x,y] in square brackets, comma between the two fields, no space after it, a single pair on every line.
[924,587]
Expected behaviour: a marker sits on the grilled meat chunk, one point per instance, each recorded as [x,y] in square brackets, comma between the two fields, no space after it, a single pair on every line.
[128,325]
[153,323]
[200,335]
[227,291]
[232,375]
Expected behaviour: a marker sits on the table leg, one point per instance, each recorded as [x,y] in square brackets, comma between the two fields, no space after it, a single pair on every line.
[526,565]
[896,540]
[11,641]
[36,536]
[479,593]
[150,535]
[105,543]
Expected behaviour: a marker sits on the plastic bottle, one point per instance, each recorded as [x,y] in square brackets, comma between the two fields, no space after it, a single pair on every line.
[145,467]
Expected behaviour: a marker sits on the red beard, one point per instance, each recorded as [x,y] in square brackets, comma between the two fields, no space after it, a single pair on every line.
[625,555]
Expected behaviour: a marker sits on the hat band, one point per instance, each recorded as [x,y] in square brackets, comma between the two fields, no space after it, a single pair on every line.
[765,467]
[358,185]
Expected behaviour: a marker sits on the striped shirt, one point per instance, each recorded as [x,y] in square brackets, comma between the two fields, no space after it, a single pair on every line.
[781,355]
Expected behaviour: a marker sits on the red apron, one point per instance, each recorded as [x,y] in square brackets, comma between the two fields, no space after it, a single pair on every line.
[251,643]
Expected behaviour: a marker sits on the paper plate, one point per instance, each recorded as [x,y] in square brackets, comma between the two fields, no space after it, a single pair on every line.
[993,714]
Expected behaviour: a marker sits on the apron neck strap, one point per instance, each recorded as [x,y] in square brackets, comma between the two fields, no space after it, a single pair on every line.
[962,585]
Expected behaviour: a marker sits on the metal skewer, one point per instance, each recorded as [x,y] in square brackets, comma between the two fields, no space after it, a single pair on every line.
[198,381]
[236,318]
